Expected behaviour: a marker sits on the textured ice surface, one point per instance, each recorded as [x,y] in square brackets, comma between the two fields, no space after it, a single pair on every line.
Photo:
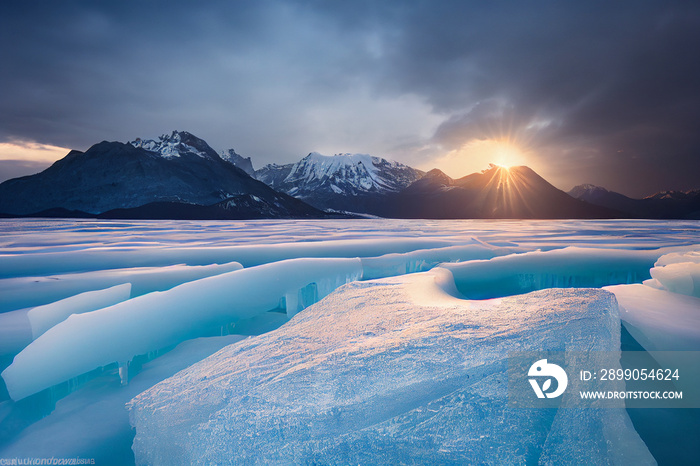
[84,342]
[390,371]
[48,247]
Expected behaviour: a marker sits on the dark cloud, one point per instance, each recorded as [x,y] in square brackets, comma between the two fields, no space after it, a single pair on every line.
[602,92]
[620,80]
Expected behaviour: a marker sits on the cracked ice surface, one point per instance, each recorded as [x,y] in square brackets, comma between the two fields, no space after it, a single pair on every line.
[120,332]
[45,261]
[390,371]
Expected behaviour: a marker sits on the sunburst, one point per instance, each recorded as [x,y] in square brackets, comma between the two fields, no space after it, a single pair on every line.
[477,154]
[504,139]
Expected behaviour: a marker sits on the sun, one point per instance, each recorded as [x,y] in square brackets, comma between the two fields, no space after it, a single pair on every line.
[478,154]
[505,154]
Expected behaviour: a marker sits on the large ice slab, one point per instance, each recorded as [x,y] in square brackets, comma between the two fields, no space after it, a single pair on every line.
[560,268]
[391,265]
[664,323]
[692,255]
[22,292]
[18,328]
[15,331]
[678,273]
[92,422]
[663,314]
[392,371]
[658,319]
[42,318]
[84,342]
[125,256]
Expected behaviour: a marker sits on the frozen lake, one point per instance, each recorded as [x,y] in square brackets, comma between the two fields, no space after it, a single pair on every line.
[39,235]
[95,313]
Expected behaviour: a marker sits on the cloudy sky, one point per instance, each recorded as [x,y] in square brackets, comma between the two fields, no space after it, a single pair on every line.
[583,92]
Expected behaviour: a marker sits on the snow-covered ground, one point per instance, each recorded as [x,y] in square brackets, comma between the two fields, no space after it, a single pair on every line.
[348,341]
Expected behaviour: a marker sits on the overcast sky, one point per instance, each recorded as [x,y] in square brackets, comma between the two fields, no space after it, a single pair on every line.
[583,92]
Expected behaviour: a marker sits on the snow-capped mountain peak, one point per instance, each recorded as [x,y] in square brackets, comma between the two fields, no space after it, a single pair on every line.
[358,171]
[343,173]
[584,191]
[176,144]
[322,179]
[676,195]
[244,163]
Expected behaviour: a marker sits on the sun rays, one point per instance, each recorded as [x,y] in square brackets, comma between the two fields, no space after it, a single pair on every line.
[507,191]
[478,154]
[494,133]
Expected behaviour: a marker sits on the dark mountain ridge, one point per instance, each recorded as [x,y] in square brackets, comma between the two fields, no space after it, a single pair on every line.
[515,193]
[179,168]
[663,205]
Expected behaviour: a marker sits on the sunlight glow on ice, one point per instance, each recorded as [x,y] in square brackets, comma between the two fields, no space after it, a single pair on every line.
[369,375]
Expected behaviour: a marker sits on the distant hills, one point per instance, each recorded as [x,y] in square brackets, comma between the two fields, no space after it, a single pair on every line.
[663,205]
[179,176]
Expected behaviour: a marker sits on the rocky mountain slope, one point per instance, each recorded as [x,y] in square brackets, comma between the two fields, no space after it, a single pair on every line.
[176,168]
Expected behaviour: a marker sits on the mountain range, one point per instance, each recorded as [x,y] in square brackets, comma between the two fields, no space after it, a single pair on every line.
[177,169]
[179,176]
[663,205]
[345,182]
[497,192]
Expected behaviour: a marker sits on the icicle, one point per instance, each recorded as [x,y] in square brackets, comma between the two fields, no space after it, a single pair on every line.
[124,373]
[308,296]
[291,301]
